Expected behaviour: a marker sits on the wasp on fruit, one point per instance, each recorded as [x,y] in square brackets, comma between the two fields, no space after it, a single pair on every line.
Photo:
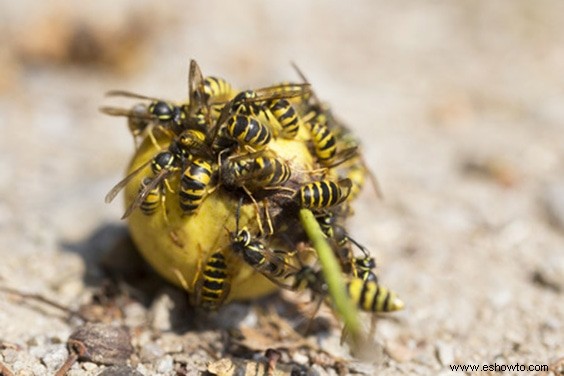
[276,149]
[164,115]
[323,194]
[213,287]
[194,184]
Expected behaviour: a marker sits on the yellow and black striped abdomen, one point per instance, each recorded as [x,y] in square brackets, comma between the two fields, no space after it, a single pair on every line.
[255,173]
[153,198]
[217,89]
[323,194]
[193,184]
[324,142]
[371,297]
[215,285]
[246,130]
[278,262]
[287,117]
[271,171]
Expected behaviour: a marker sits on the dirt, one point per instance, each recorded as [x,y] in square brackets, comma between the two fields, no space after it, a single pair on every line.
[460,106]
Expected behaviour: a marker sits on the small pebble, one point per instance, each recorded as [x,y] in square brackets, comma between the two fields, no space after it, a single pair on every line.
[55,358]
[221,366]
[363,368]
[141,339]
[165,365]
[230,316]
[316,369]
[88,366]
[25,372]
[150,352]
[103,344]
[40,369]
[10,355]
[161,312]
[300,358]
[445,353]
[71,288]
[500,298]
[120,371]
[142,369]
[135,314]
[398,351]
[171,343]
[550,272]
[551,332]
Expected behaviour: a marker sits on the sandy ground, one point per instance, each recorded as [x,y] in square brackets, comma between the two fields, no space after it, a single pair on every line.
[460,106]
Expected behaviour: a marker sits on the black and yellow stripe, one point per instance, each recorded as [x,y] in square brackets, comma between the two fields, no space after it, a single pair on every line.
[246,103]
[270,172]
[324,142]
[254,252]
[216,89]
[254,102]
[193,185]
[287,117]
[323,194]
[255,173]
[189,144]
[368,296]
[233,172]
[371,297]
[316,115]
[251,249]
[152,199]
[248,131]
[214,287]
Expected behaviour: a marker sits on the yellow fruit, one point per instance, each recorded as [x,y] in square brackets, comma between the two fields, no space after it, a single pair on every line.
[179,247]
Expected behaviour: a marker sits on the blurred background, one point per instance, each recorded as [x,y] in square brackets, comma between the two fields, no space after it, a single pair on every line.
[459,106]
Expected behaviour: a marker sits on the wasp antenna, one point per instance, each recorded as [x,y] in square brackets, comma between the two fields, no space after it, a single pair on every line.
[116,93]
[299,72]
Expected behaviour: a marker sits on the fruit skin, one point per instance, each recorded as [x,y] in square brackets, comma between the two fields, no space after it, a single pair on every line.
[184,244]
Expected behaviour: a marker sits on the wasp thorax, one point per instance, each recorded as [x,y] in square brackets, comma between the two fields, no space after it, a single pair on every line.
[162,110]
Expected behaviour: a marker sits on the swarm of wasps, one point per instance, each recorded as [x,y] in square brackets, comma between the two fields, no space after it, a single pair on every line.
[216,183]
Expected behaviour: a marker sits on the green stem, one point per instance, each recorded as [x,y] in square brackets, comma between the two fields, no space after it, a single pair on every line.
[332,273]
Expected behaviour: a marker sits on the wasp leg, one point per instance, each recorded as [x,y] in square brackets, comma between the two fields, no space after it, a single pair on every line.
[267,217]
[257,209]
